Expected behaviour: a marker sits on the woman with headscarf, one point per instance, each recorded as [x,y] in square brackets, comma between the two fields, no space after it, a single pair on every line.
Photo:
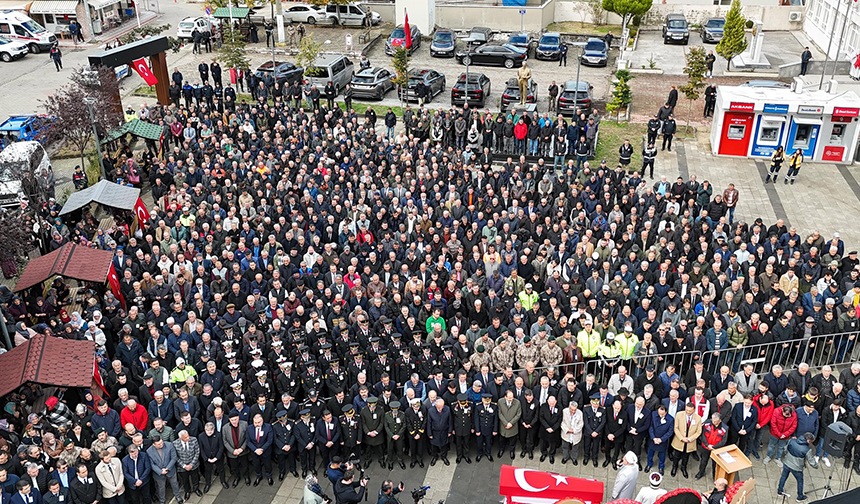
[43,310]
[51,446]
[313,491]
[78,323]
[18,310]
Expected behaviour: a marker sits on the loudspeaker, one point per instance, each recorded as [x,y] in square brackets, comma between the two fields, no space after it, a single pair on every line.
[836,438]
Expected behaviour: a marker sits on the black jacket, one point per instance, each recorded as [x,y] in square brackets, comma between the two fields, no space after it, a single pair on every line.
[210,446]
[88,492]
[344,493]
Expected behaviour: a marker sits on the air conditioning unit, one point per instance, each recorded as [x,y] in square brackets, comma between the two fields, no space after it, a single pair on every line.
[795,17]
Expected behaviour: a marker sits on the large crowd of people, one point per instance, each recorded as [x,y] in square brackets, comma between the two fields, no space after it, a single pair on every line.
[313,292]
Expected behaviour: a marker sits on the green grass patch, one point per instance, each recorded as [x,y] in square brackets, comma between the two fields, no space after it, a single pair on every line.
[588,28]
[613,134]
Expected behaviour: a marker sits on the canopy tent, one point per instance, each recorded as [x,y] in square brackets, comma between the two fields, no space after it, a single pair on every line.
[104,193]
[136,127]
[49,361]
[70,260]
[234,13]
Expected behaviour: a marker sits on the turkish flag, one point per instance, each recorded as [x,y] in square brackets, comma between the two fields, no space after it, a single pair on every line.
[97,377]
[143,70]
[113,281]
[408,32]
[141,212]
[520,485]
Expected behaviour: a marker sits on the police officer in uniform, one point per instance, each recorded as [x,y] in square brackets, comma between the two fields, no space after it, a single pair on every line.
[335,377]
[463,426]
[285,440]
[594,418]
[416,421]
[395,429]
[350,433]
[304,432]
[311,378]
[288,380]
[486,426]
[371,428]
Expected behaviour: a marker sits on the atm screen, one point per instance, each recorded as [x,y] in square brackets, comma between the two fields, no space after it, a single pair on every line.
[736,132]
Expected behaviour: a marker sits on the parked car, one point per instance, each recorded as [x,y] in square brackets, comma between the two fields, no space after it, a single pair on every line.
[676,29]
[434,81]
[285,72]
[186,27]
[478,35]
[444,44]
[549,46]
[25,127]
[372,83]
[12,49]
[574,95]
[304,13]
[523,40]
[712,30]
[352,14]
[511,96]
[398,38]
[475,93]
[493,54]
[595,53]
[331,67]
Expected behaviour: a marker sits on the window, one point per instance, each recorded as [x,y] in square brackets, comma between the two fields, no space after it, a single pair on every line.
[4,29]
[20,31]
[338,67]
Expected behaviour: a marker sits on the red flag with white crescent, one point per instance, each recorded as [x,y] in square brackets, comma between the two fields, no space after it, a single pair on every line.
[97,377]
[408,39]
[141,212]
[113,281]
[143,70]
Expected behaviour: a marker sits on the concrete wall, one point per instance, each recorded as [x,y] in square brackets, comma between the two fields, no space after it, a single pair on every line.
[385,9]
[774,17]
[497,17]
[815,67]
[577,10]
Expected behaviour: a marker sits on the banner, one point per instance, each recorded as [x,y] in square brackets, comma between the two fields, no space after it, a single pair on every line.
[143,70]
[141,212]
[113,281]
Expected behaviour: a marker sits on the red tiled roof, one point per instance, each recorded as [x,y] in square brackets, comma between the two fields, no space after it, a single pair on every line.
[71,261]
[49,361]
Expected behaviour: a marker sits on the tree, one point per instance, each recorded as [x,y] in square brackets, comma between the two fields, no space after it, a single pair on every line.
[695,69]
[68,105]
[309,51]
[622,96]
[232,52]
[147,31]
[627,9]
[734,39]
[400,63]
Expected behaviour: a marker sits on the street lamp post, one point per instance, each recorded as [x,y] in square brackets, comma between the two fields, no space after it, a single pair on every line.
[90,101]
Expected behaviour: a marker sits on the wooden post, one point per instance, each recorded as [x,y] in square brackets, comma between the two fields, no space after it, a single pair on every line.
[159,69]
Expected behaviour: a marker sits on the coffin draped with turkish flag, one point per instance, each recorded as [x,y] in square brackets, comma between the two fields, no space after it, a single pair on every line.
[527,486]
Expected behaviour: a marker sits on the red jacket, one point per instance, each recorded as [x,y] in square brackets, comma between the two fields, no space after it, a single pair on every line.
[139,417]
[764,411]
[520,131]
[783,427]
[714,436]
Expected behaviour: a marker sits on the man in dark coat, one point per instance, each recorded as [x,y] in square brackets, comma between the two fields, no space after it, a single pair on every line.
[304,431]
[462,412]
[439,430]
[395,430]
[85,487]
[550,422]
[372,432]
[416,425]
[615,433]
[594,419]
[285,444]
[486,419]
[529,423]
[212,455]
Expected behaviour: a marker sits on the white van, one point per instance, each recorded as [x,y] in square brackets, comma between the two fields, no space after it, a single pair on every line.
[351,14]
[17,26]
[186,27]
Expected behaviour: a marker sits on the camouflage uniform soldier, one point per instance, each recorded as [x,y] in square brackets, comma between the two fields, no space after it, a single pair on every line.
[550,354]
[485,340]
[480,358]
[291,35]
[527,352]
[502,356]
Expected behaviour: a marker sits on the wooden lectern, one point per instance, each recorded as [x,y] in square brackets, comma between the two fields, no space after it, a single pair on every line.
[729,460]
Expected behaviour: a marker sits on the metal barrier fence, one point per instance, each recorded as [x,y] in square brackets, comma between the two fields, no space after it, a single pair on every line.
[817,351]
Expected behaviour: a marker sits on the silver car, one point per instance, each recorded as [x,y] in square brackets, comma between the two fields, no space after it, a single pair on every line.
[372,83]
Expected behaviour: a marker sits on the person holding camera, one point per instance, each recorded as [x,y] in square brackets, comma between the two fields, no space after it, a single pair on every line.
[388,491]
[348,490]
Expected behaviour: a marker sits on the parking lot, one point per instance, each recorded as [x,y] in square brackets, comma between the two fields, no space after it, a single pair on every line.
[670,58]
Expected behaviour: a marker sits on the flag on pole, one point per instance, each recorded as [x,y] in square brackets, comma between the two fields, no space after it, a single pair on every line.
[113,281]
[146,74]
[97,375]
[409,32]
[141,212]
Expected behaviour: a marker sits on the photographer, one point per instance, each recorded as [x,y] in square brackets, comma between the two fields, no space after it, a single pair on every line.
[387,492]
[334,471]
[345,490]
[313,492]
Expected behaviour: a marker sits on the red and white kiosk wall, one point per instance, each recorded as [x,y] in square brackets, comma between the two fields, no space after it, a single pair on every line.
[753,121]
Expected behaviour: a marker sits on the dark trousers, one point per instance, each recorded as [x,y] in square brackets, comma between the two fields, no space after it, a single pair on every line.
[439,451]
[803,66]
[613,449]
[667,139]
[262,463]
[507,443]
[138,495]
[416,448]
[395,450]
[373,452]
[634,444]
[190,480]
[591,446]
[309,460]
[238,467]
[286,461]
[704,458]
[327,453]
[485,444]
[681,458]
[527,438]
[709,107]
[648,164]
[463,446]
[549,446]
[652,138]
[209,470]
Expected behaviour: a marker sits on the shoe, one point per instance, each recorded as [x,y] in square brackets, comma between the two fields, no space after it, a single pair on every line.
[531,456]
[798,499]
[640,466]
[606,462]
[433,461]
[402,465]
[206,488]
[180,500]
[295,474]
[786,181]
[699,476]
[390,466]
[281,476]
[661,471]
[595,462]
[767,179]
[198,493]
[381,463]
[236,481]
[857,467]
[468,460]
[575,462]
[412,465]
[257,481]
[766,461]
[513,455]
[674,471]
[421,464]
[756,455]
[447,462]
[779,463]
[490,457]
[564,460]
[522,454]
[271,482]
[478,458]
[826,461]
[186,496]
[458,460]
[501,452]
[248,480]
[542,458]
[684,473]
[552,459]
[647,469]
[225,485]
[801,498]
[782,493]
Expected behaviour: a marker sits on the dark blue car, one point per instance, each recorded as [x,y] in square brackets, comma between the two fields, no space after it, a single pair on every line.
[549,46]
[595,53]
